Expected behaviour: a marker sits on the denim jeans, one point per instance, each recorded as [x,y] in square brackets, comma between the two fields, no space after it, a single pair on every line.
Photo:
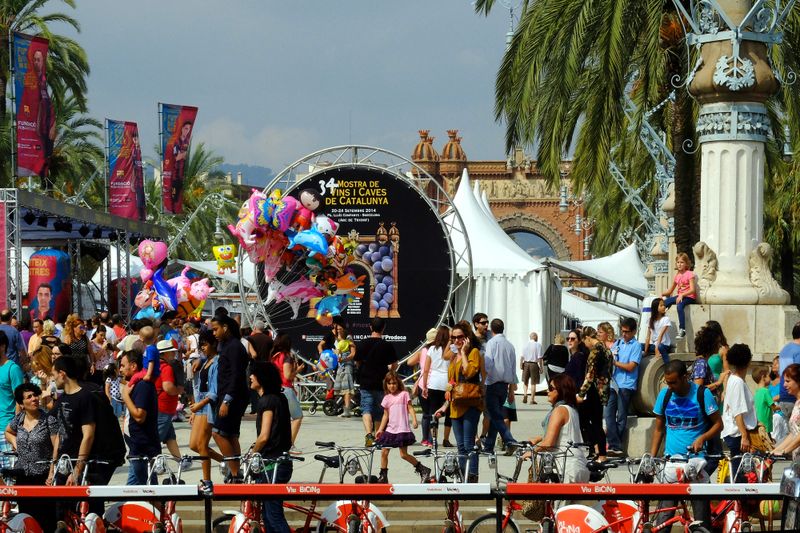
[734,445]
[616,415]
[465,429]
[137,473]
[663,351]
[274,518]
[496,394]
[672,300]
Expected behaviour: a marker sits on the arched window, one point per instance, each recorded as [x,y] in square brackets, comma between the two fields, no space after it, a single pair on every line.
[532,243]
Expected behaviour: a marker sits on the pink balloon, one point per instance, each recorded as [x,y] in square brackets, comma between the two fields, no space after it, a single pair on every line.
[152,254]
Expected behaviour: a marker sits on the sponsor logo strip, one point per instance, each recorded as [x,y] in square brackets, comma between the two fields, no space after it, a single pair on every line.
[589,489]
[441,489]
[723,490]
[22,491]
[143,491]
[346,490]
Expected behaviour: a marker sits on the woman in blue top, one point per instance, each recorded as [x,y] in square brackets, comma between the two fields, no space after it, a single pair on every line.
[205,402]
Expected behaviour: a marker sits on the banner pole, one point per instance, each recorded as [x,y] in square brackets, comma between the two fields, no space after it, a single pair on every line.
[106,183]
[13,71]
[161,155]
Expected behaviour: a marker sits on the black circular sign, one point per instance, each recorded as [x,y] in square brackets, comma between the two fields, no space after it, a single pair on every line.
[402,256]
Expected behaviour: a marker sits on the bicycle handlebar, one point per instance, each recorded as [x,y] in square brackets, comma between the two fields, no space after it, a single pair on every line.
[323,444]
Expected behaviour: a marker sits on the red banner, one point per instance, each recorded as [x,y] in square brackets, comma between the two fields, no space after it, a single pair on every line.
[177,124]
[3,266]
[126,175]
[36,119]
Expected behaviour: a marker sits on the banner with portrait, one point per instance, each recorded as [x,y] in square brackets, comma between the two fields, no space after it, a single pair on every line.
[49,284]
[176,126]
[125,173]
[36,119]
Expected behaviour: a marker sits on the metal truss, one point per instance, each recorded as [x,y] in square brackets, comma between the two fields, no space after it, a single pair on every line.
[124,296]
[213,199]
[13,249]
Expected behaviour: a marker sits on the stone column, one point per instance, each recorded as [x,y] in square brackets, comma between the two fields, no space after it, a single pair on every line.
[731,81]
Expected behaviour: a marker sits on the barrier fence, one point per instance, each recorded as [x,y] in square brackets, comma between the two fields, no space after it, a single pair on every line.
[388,492]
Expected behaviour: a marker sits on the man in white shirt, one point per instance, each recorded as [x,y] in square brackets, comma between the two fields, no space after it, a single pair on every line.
[500,361]
[531,365]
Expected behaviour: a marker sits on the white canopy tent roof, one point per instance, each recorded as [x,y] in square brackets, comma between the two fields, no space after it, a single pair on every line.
[622,271]
[611,297]
[507,282]
[590,313]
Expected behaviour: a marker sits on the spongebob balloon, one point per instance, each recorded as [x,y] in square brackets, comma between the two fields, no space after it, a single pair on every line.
[225,254]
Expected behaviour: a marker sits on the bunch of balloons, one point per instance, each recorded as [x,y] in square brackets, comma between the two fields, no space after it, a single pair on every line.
[182,294]
[285,232]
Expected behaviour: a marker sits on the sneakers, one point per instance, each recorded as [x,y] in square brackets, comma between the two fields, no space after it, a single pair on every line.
[383,476]
[612,452]
[681,334]
[186,464]
[369,440]
[294,450]
[346,414]
[426,443]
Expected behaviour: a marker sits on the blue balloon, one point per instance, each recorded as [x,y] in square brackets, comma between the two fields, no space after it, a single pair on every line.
[373,246]
[376,296]
[379,277]
[380,288]
[375,257]
[377,268]
[388,297]
[390,289]
[373,304]
[384,250]
[383,305]
[387,264]
[329,359]
[388,280]
[360,249]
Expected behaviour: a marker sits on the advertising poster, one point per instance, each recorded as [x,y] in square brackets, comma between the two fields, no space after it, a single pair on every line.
[401,254]
[125,172]
[177,124]
[49,284]
[36,119]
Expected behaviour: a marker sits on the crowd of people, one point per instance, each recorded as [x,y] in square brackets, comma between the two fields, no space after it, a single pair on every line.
[94,389]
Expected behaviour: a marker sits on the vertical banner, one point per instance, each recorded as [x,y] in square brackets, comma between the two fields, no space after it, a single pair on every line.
[177,123]
[4,273]
[36,119]
[49,284]
[125,172]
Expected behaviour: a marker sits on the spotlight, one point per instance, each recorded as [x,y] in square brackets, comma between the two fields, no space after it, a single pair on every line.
[42,221]
[112,236]
[58,225]
[29,218]
[84,230]
[66,226]
[97,233]
[133,239]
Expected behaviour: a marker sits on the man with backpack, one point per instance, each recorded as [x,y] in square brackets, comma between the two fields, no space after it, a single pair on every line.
[687,418]
[627,354]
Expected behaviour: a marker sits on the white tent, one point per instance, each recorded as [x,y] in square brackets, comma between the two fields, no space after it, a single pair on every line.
[507,282]
[622,271]
[591,313]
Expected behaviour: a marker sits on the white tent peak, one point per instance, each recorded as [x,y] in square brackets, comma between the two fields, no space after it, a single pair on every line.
[494,253]
[622,271]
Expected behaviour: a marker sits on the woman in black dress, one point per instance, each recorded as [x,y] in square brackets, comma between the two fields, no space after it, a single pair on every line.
[232,389]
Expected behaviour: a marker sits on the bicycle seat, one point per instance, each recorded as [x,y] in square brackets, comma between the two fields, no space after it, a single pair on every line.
[331,461]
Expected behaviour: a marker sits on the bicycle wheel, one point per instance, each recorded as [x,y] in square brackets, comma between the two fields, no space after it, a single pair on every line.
[221,524]
[330,408]
[488,522]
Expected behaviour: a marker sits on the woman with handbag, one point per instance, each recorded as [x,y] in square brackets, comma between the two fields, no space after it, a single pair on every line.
[465,396]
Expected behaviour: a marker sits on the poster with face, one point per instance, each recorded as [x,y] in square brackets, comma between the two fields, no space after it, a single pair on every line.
[49,284]
[399,268]
[36,119]
[177,124]
[125,172]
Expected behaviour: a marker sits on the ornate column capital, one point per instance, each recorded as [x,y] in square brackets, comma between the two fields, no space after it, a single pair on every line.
[733,121]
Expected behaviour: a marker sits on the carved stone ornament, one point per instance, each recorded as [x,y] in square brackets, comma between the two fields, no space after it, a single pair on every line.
[769,291]
[733,122]
[705,267]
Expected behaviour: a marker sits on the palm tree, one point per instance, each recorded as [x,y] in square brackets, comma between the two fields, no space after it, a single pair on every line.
[78,153]
[67,65]
[201,180]
[563,82]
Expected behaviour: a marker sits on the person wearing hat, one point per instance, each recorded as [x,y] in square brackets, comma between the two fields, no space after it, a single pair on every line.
[168,394]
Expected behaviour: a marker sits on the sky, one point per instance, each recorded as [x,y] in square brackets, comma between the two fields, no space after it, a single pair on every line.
[277,80]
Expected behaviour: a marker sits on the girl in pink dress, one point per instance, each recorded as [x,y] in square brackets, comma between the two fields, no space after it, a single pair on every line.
[394,431]
[686,293]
